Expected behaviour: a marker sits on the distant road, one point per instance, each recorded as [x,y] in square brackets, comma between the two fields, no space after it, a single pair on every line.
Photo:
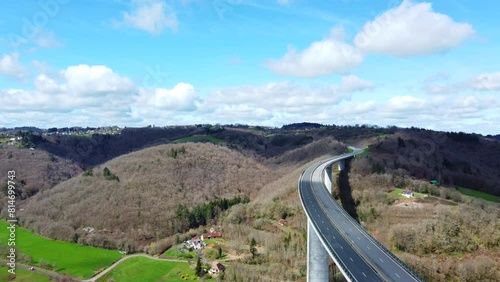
[360,255]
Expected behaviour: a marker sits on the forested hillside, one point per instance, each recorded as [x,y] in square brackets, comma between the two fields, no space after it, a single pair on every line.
[35,170]
[132,199]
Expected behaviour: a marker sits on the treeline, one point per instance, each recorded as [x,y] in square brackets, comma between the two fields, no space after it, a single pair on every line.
[463,137]
[28,139]
[201,214]
[302,125]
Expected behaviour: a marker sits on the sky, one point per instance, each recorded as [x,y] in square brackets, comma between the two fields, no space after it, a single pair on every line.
[428,64]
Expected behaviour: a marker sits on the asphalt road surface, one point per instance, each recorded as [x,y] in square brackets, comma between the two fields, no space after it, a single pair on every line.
[361,256]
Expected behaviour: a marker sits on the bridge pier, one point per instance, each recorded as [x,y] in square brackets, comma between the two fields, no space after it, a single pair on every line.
[327,177]
[317,257]
[341,165]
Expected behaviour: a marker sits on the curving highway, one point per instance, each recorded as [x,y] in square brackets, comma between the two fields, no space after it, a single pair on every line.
[358,255]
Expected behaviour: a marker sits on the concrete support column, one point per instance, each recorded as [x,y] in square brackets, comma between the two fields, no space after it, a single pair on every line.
[328,178]
[341,165]
[317,257]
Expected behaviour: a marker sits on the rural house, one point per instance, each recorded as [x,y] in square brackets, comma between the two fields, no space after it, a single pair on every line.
[407,193]
[211,235]
[217,268]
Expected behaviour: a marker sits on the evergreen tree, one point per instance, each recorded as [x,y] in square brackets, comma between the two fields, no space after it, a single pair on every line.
[253,249]
[198,270]
[219,252]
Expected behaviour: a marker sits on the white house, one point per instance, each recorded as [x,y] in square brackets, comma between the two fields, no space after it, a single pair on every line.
[407,193]
[217,268]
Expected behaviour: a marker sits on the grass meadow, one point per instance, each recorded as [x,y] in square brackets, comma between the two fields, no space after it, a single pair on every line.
[479,194]
[145,269]
[67,258]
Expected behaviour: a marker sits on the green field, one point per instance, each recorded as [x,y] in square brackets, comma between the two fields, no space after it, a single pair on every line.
[199,138]
[23,275]
[396,193]
[145,269]
[479,194]
[174,252]
[75,260]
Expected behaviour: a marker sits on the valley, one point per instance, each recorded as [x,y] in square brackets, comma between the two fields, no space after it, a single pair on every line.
[152,199]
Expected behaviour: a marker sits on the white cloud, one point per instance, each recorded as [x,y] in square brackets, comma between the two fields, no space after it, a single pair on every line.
[412,29]
[95,80]
[357,108]
[330,55]
[487,81]
[152,16]
[438,109]
[352,83]
[76,87]
[482,82]
[182,97]
[277,103]
[405,104]
[10,66]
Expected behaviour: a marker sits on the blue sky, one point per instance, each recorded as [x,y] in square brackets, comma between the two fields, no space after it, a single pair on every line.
[164,62]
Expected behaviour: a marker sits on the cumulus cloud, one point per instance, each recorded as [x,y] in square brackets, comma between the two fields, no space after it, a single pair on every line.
[289,95]
[405,104]
[279,102]
[76,87]
[412,29]
[95,80]
[324,57]
[152,16]
[182,97]
[10,66]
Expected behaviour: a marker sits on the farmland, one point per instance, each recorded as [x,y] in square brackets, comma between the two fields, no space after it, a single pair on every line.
[150,270]
[64,257]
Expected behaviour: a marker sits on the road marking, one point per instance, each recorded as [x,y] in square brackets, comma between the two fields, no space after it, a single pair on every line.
[328,229]
[334,237]
[363,274]
[380,259]
[323,222]
[397,275]
[351,259]
[359,239]
[341,247]
[368,248]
